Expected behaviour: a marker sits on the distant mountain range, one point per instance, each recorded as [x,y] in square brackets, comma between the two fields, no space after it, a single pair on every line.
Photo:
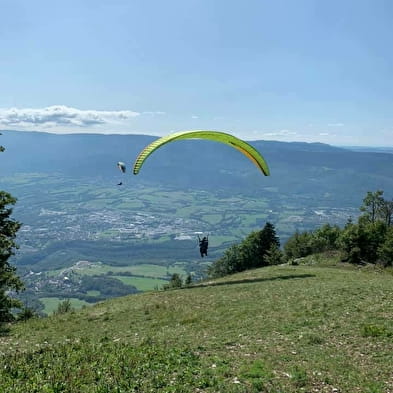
[306,170]
[371,149]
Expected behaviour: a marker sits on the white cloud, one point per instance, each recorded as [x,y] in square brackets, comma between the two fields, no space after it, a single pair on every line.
[336,125]
[61,115]
[280,133]
[194,117]
[324,133]
[153,113]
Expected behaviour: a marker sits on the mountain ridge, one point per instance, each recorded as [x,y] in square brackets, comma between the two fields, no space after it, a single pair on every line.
[296,167]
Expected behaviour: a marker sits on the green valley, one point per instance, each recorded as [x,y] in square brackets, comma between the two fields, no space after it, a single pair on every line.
[146,233]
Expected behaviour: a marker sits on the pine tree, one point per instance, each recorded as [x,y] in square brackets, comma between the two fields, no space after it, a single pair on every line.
[267,239]
[274,255]
[251,253]
[9,281]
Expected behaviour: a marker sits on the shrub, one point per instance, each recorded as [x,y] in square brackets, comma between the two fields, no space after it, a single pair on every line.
[64,307]
[175,282]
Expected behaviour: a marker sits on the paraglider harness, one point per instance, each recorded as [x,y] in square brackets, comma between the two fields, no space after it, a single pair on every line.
[203,245]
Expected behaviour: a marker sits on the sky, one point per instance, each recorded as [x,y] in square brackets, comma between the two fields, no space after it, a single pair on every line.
[304,70]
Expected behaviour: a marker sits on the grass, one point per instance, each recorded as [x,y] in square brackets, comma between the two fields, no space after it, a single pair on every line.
[142,283]
[278,329]
[51,303]
[149,270]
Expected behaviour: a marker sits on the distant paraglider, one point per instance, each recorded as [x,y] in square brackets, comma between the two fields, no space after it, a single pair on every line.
[244,147]
[122,168]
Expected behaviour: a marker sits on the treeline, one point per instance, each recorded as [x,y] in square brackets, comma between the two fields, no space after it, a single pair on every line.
[259,248]
[107,286]
[369,240]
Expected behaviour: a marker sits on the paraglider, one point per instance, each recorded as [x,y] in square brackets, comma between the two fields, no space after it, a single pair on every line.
[203,245]
[122,167]
[228,139]
[245,148]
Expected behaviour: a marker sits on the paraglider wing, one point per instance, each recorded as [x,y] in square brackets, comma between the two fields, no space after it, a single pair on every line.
[121,166]
[217,136]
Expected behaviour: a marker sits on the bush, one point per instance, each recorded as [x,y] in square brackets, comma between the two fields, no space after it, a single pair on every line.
[26,313]
[188,280]
[175,282]
[298,245]
[361,243]
[64,307]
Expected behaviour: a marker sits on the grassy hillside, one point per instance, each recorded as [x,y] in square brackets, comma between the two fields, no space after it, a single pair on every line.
[276,329]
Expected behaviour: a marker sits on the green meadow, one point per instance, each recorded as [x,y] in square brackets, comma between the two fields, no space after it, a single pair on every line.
[142,283]
[51,303]
[148,270]
[308,328]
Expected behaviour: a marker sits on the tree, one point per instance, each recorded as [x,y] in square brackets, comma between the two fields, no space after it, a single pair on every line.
[359,243]
[188,280]
[175,282]
[385,250]
[9,281]
[251,253]
[325,238]
[374,237]
[371,205]
[386,212]
[231,262]
[274,255]
[298,245]
[267,240]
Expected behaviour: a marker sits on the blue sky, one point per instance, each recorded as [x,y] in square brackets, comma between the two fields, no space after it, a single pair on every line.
[304,70]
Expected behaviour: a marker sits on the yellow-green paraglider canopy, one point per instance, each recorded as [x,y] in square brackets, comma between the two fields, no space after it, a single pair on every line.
[217,136]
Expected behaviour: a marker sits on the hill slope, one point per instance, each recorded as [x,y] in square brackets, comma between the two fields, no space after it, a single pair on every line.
[277,329]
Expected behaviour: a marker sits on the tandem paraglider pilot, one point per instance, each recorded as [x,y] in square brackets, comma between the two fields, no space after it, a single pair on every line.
[203,245]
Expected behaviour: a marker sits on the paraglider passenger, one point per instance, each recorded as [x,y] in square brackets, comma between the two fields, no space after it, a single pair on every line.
[203,245]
